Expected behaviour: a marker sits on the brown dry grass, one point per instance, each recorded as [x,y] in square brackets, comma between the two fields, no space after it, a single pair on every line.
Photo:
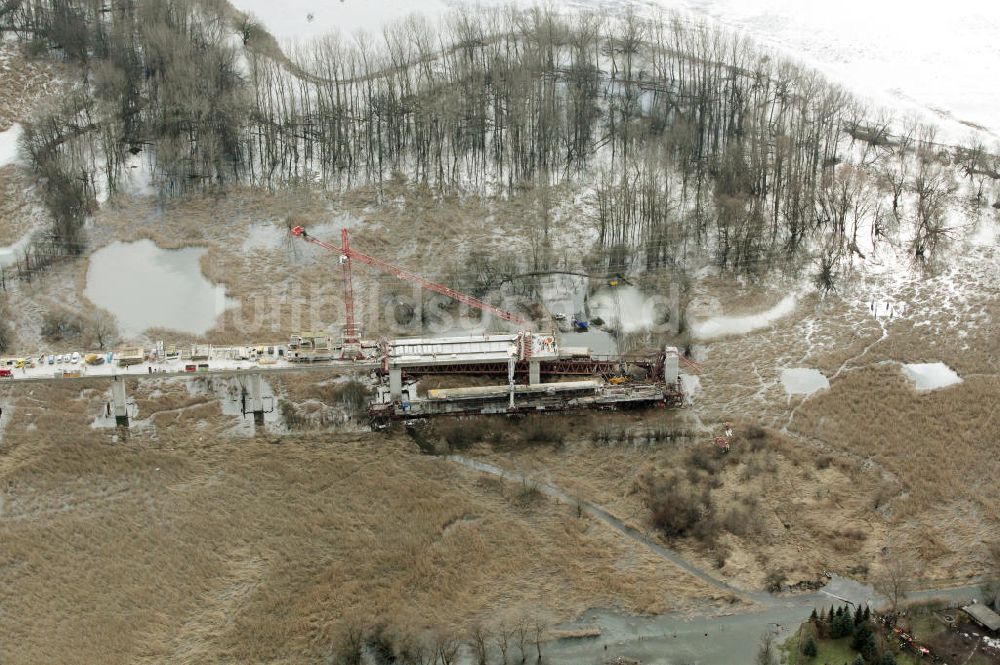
[25,81]
[184,545]
[20,209]
[782,478]
[939,444]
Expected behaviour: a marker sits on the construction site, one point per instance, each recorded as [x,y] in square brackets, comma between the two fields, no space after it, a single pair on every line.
[582,333]
[537,371]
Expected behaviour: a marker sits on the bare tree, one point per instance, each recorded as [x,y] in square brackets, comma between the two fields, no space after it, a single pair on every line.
[538,632]
[479,641]
[895,577]
[766,651]
[502,640]
[446,646]
[102,328]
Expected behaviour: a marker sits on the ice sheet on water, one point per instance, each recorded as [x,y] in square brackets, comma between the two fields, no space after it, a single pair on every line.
[803,380]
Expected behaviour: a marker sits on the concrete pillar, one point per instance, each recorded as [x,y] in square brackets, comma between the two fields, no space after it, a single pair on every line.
[120,406]
[395,383]
[671,366]
[534,372]
[255,398]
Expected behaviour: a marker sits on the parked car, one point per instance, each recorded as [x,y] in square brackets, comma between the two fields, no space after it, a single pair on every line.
[75,358]
[51,359]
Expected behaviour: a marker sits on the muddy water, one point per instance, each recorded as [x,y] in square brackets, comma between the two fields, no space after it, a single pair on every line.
[803,381]
[930,376]
[145,286]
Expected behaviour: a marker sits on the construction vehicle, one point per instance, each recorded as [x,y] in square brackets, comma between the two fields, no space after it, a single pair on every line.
[351,348]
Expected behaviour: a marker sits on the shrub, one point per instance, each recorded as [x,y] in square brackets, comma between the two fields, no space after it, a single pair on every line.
[460,433]
[678,509]
[775,580]
[541,430]
[62,325]
[352,394]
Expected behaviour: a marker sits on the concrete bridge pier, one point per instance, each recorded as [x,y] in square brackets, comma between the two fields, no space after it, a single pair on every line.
[118,402]
[534,372]
[255,398]
[395,383]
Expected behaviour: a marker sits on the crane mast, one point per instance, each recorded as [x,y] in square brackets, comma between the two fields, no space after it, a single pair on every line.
[347,254]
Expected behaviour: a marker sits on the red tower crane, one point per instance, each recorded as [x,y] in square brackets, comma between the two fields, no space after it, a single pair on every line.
[347,254]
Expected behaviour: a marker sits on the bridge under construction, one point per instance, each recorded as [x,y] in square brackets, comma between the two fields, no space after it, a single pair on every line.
[536,372]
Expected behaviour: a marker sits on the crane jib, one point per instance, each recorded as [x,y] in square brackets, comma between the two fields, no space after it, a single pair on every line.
[351,254]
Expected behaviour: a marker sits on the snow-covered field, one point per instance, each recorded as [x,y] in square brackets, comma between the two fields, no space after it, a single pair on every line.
[8,145]
[938,60]
[935,61]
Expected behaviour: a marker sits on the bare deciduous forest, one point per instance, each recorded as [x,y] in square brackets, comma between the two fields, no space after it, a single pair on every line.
[695,140]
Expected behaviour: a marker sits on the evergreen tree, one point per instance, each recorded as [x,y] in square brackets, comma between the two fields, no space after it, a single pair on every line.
[810,649]
[813,618]
[859,660]
[864,640]
[859,615]
[887,659]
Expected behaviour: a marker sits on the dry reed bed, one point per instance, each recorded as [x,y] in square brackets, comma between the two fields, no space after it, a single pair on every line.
[184,545]
[820,499]
[940,444]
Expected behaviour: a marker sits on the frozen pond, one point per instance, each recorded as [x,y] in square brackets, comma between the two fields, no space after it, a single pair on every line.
[720,326]
[600,342]
[803,381]
[145,287]
[929,376]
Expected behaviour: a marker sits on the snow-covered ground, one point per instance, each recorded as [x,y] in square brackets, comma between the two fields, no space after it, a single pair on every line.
[720,326]
[935,61]
[8,145]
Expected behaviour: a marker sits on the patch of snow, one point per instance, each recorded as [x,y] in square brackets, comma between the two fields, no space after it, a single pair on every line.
[803,381]
[691,385]
[9,253]
[629,308]
[931,376]
[720,326]
[8,145]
